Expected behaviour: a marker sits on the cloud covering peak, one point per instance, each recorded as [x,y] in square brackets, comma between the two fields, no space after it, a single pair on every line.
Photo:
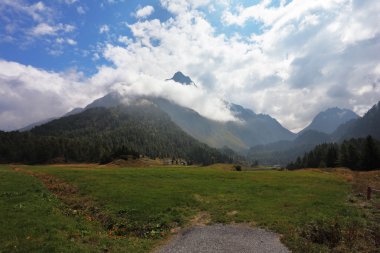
[289,59]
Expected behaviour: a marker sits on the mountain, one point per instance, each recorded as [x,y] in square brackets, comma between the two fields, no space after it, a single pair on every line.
[255,129]
[208,131]
[328,121]
[110,100]
[38,123]
[179,77]
[41,122]
[251,129]
[283,152]
[286,151]
[369,124]
[102,134]
[74,111]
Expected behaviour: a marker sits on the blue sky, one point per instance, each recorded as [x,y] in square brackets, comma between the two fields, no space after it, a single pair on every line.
[87,18]
[287,58]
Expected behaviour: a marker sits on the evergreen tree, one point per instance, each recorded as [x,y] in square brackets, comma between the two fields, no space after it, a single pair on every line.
[356,154]
[370,154]
[353,156]
[343,155]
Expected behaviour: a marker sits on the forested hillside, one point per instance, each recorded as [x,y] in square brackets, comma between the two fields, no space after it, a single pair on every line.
[283,152]
[103,134]
[356,154]
[369,124]
[286,151]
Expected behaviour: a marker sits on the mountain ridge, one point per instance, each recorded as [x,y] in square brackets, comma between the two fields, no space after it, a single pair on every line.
[329,120]
[101,134]
[284,152]
[250,130]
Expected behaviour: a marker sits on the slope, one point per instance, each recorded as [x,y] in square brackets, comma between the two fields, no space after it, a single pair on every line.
[329,120]
[284,152]
[100,134]
[250,129]
[369,124]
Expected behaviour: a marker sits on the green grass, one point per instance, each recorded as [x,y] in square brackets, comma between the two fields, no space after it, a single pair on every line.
[33,220]
[155,200]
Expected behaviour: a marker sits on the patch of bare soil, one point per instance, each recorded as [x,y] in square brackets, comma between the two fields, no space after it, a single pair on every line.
[200,219]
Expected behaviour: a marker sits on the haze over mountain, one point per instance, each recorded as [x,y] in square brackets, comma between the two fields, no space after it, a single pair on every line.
[250,129]
[266,139]
[270,143]
[284,152]
[369,124]
[329,120]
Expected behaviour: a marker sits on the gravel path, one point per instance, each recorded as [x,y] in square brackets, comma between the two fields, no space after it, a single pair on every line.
[224,238]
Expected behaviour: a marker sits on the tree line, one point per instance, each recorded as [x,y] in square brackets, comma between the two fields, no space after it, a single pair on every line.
[356,154]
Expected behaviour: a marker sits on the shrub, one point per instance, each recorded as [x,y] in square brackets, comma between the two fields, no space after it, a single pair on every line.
[323,232]
[341,234]
[237,167]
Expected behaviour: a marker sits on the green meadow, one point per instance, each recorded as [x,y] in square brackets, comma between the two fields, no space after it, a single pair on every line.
[137,209]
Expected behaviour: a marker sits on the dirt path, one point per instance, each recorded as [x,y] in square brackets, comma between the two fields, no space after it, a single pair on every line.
[224,238]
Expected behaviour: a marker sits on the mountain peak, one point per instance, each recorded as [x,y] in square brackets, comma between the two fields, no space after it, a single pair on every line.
[240,112]
[329,120]
[109,100]
[179,77]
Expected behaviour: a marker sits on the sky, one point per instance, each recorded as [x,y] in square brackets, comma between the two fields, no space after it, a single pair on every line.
[287,58]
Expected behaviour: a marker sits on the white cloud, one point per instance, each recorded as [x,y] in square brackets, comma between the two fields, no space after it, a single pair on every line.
[26,23]
[67,28]
[144,12]
[62,41]
[70,1]
[131,82]
[38,11]
[81,10]
[180,6]
[295,68]
[309,55]
[124,40]
[113,1]
[23,100]
[71,42]
[43,29]
[104,29]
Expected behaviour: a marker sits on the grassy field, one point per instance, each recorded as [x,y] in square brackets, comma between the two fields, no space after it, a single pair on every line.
[91,208]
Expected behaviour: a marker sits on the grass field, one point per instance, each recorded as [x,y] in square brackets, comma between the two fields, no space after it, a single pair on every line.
[91,208]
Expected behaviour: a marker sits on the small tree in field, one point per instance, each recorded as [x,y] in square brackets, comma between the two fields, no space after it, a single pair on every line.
[237,167]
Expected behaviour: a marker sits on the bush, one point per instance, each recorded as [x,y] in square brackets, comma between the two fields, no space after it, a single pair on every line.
[341,234]
[237,167]
[323,232]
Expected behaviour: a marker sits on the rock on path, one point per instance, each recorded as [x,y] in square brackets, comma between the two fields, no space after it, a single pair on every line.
[224,238]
